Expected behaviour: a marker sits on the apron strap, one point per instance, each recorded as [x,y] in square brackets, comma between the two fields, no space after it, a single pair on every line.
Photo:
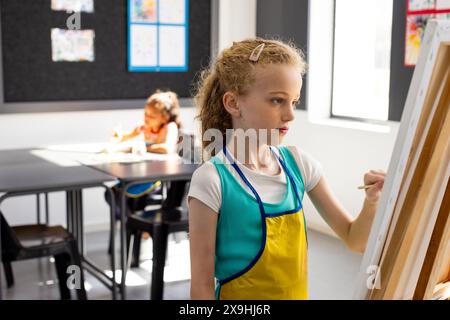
[288,172]
[243,177]
[262,213]
[295,189]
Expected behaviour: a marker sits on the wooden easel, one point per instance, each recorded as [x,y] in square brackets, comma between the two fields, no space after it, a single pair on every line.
[409,241]
[423,200]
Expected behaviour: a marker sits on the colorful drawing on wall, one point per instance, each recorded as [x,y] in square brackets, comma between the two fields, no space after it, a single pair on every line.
[72,45]
[417,16]
[143,10]
[442,4]
[415,29]
[73,5]
[417,5]
[158,35]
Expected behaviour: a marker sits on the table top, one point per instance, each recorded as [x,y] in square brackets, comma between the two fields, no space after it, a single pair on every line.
[128,167]
[167,170]
[22,171]
[18,156]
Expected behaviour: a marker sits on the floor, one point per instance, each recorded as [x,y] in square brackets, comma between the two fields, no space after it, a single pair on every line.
[332,271]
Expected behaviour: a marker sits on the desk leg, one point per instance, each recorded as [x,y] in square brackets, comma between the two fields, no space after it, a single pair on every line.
[160,234]
[69,213]
[1,262]
[123,256]
[75,217]
[112,236]
[38,208]
[47,212]
[75,224]
[79,221]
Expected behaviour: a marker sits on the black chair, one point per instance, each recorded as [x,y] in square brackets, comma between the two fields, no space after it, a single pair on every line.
[134,204]
[171,217]
[170,209]
[36,241]
[188,149]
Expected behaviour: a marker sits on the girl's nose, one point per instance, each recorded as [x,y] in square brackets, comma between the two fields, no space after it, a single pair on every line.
[288,114]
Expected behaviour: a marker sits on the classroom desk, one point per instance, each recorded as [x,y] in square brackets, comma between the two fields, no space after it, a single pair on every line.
[24,173]
[134,173]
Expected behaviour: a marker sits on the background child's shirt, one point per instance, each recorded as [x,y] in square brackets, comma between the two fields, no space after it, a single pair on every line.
[206,186]
[168,134]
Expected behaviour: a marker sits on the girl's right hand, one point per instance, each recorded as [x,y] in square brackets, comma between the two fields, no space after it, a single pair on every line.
[117,134]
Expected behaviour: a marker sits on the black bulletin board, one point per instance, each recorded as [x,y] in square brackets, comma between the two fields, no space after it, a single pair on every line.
[286,20]
[30,75]
[400,75]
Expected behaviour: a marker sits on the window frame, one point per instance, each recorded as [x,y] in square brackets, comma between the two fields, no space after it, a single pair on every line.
[350,118]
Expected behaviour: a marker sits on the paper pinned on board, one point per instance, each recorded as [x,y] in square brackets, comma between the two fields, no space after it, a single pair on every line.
[144,11]
[172,46]
[143,49]
[72,45]
[172,11]
[73,5]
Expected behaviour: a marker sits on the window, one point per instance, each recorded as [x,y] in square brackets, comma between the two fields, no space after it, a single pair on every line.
[361,60]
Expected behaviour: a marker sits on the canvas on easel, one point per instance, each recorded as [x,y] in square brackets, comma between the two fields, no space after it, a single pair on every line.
[406,226]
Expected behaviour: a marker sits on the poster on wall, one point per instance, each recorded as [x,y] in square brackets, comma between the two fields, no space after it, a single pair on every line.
[417,15]
[73,5]
[143,11]
[72,45]
[157,35]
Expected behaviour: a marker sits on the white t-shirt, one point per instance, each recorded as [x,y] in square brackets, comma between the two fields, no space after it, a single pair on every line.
[205,183]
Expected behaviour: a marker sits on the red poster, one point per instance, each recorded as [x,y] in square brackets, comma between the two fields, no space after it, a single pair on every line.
[417,15]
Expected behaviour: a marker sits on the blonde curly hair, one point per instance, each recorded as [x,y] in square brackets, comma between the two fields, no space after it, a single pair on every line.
[233,71]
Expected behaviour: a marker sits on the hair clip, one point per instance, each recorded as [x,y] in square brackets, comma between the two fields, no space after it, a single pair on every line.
[254,56]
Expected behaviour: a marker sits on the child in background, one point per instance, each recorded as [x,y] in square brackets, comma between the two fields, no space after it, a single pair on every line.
[161,123]
[160,130]
[247,228]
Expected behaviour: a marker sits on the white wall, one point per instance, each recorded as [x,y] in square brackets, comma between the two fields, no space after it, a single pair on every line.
[346,154]
[237,21]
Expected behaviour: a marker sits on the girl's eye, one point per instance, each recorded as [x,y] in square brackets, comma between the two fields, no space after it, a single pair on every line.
[295,104]
[277,101]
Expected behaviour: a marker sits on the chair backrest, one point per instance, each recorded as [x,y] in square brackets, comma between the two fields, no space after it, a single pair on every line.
[175,194]
[10,244]
[188,146]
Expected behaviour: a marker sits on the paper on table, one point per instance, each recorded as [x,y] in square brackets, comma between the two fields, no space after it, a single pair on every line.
[127,158]
[89,154]
[82,147]
[102,147]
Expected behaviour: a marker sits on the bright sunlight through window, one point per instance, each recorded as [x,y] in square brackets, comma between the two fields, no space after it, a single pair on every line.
[362,53]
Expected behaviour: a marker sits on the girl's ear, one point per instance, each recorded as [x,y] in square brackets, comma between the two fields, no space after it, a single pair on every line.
[229,101]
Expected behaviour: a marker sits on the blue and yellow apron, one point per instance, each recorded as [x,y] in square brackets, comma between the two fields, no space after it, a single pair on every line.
[261,248]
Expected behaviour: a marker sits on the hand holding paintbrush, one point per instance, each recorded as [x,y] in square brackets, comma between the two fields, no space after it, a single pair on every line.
[373,184]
